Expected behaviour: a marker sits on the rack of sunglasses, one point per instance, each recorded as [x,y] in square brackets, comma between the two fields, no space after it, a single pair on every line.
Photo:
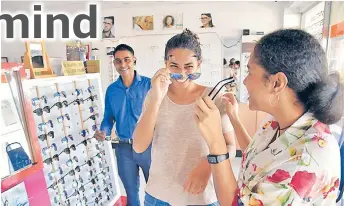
[78,169]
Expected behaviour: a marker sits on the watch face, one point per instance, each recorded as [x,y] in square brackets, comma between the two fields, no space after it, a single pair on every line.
[212,159]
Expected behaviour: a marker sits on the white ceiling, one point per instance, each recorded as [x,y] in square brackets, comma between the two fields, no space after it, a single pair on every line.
[54,4]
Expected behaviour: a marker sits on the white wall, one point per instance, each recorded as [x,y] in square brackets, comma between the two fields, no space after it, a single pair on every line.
[229,18]
[292,20]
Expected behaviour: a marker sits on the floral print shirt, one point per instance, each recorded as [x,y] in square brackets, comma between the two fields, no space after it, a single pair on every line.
[300,167]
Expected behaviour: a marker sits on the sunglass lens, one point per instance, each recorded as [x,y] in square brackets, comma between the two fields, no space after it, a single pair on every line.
[50,123]
[70,137]
[42,137]
[60,119]
[194,76]
[94,127]
[47,161]
[38,111]
[75,159]
[53,145]
[59,105]
[56,157]
[67,151]
[46,109]
[67,116]
[35,101]
[176,76]
[63,140]
[69,163]
[60,170]
[51,134]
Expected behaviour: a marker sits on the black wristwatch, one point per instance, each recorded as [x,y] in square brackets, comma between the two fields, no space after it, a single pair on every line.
[214,159]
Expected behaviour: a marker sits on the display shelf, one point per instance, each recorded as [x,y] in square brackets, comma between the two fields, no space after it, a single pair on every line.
[78,169]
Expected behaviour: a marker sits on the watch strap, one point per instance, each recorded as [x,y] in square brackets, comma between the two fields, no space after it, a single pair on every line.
[214,159]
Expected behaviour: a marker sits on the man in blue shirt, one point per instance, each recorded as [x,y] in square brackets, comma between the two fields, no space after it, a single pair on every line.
[123,105]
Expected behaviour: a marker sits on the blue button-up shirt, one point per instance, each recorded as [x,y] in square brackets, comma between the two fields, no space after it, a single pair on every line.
[123,105]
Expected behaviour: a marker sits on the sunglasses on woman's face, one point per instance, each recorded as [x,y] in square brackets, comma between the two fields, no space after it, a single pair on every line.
[179,76]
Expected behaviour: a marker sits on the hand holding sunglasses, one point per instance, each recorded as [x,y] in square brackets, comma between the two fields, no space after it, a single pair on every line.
[224,82]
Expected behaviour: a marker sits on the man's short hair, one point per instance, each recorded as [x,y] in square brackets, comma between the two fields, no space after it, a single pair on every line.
[124,47]
[110,17]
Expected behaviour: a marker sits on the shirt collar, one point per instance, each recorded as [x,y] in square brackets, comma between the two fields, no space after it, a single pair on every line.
[137,78]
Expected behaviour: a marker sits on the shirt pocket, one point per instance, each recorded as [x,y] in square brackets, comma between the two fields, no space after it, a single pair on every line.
[136,105]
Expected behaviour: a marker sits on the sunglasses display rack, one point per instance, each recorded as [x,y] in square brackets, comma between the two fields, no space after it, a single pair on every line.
[78,169]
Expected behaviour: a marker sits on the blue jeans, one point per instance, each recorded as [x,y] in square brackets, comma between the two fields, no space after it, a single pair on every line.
[128,163]
[152,201]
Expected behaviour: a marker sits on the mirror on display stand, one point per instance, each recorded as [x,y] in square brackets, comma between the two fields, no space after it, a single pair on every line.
[37,60]
[37,55]
[231,61]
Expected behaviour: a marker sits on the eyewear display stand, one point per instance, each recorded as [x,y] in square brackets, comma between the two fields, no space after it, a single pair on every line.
[78,170]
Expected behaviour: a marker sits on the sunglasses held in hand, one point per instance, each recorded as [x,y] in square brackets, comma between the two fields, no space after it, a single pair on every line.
[224,82]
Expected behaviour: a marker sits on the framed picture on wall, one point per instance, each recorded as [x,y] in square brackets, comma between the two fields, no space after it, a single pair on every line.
[77,51]
[173,21]
[108,31]
[4,59]
[143,23]
[206,20]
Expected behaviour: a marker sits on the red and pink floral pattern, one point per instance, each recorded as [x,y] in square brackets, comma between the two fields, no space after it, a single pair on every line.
[300,167]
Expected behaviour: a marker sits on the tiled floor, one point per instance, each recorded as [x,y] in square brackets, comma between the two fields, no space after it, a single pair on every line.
[235,165]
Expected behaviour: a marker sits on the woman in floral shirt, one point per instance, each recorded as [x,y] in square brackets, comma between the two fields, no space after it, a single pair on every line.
[293,159]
